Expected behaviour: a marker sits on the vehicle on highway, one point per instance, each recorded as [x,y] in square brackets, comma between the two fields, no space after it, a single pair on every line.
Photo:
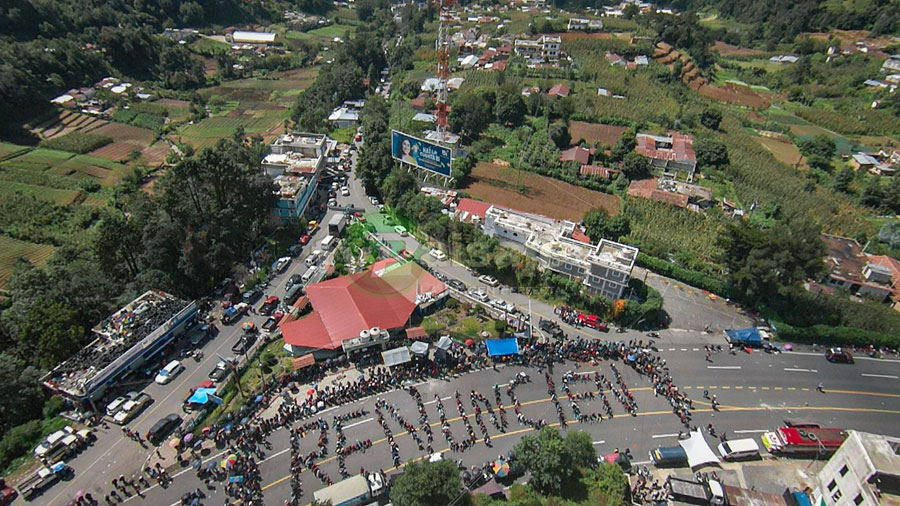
[478,294]
[162,428]
[488,280]
[113,407]
[251,296]
[245,342]
[35,484]
[222,370]
[281,264]
[313,258]
[669,456]
[132,408]
[737,449]
[168,373]
[803,441]
[437,255]
[551,327]
[589,320]
[293,280]
[456,285]
[838,356]
[304,239]
[269,305]
[502,305]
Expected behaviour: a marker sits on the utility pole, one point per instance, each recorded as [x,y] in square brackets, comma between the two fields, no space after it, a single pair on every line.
[237,378]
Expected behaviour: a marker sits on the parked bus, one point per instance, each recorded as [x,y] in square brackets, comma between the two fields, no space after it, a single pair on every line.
[803,441]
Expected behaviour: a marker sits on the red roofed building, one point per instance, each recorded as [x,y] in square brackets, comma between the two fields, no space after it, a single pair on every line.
[893,265]
[498,65]
[675,151]
[559,90]
[598,171]
[576,154]
[580,236]
[468,209]
[647,189]
[384,296]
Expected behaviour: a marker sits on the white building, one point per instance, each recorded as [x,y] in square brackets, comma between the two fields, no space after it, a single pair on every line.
[892,64]
[584,25]
[347,114]
[546,47]
[243,37]
[604,269]
[295,162]
[865,471]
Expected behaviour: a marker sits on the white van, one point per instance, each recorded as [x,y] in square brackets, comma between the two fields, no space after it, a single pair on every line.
[313,258]
[309,274]
[169,372]
[327,243]
[739,449]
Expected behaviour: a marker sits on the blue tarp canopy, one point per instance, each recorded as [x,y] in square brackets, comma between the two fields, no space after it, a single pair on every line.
[230,310]
[744,336]
[500,347]
[204,395]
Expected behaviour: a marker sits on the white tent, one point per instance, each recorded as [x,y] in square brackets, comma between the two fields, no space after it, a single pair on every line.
[396,356]
[698,452]
[419,348]
[444,343]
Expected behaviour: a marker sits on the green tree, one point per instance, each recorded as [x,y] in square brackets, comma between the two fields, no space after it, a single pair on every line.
[623,146]
[607,485]
[821,145]
[580,448]
[600,225]
[429,483]
[843,179]
[711,153]
[553,460]
[559,133]
[49,333]
[471,114]
[510,108]
[20,392]
[635,166]
[711,118]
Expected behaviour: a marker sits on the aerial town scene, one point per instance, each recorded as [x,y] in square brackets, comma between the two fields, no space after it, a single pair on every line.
[450,253]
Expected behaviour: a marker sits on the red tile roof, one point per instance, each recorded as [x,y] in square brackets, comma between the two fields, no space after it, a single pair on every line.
[646,188]
[894,266]
[596,170]
[559,90]
[578,154]
[383,296]
[682,147]
[499,65]
[415,333]
[580,236]
[473,207]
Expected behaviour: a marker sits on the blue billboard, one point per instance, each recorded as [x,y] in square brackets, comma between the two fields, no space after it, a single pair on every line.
[422,154]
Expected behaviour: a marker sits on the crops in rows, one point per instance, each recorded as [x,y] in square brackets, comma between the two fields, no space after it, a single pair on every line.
[13,249]
[8,150]
[77,142]
[57,196]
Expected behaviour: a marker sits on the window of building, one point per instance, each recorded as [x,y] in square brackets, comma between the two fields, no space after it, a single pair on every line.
[568,267]
[843,470]
[858,499]
[832,485]
[836,495]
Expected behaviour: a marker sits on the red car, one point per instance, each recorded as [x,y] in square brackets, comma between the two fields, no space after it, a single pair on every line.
[303,239]
[838,355]
[589,320]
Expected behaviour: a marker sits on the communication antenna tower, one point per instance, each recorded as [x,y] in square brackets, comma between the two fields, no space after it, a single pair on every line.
[443,53]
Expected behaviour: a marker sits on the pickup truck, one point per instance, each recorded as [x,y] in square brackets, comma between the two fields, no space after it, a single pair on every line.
[696,492]
[35,484]
[132,408]
[269,305]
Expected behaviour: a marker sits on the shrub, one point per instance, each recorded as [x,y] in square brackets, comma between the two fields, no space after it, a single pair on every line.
[19,441]
[54,406]
[693,278]
[77,142]
[147,120]
[123,116]
[841,336]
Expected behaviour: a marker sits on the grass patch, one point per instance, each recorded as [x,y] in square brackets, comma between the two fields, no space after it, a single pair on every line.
[77,142]
[343,135]
[332,31]
[9,150]
[13,249]
[208,47]
[54,195]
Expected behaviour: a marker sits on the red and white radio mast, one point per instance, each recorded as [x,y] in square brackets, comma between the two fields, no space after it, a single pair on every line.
[443,73]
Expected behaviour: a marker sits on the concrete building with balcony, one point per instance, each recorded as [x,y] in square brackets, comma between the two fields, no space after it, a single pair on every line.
[558,245]
[546,48]
[864,471]
[295,163]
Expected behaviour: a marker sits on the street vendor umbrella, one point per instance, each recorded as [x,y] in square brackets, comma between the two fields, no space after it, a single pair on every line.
[175,442]
[196,463]
[248,326]
[210,465]
[501,468]
[310,392]
[469,342]
[206,430]
[188,438]
[788,347]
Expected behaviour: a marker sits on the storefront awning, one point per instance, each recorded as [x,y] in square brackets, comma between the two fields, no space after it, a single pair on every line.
[396,356]
[698,451]
[304,361]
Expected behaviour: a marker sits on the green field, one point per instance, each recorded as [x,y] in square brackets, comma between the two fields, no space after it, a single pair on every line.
[57,196]
[207,46]
[331,31]
[12,249]
[38,159]
[9,150]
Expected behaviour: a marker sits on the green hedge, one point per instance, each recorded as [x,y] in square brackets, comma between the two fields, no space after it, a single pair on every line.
[842,336]
[693,278]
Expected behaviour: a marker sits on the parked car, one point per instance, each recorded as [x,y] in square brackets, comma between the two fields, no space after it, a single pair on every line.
[222,370]
[839,356]
[400,229]
[246,341]
[270,324]
[456,285]
[167,373]
[132,408]
[437,255]
[163,428]
[502,305]
[251,296]
[589,320]
[293,280]
[488,280]
[269,305]
[304,239]
[345,191]
[478,295]
[113,407]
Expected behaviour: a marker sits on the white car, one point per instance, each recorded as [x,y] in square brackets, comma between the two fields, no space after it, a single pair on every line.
[131,409]
[502,305]
[488,280]
[115,406]
[438,255]
[168,373]
[478,295]
[374,200]
[400,229]
[345,191]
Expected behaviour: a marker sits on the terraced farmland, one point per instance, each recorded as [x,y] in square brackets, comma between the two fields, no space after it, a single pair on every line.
[13,249]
